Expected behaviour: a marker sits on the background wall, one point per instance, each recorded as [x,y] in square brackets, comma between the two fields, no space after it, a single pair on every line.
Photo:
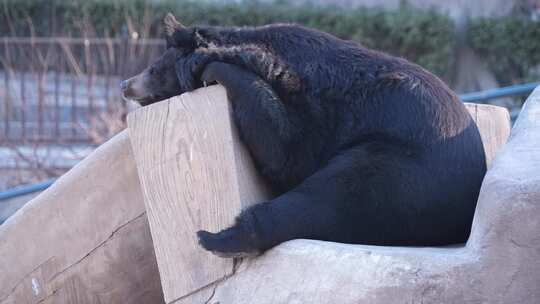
[455,8]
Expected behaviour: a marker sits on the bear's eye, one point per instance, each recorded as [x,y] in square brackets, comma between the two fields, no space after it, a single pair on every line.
[152,71]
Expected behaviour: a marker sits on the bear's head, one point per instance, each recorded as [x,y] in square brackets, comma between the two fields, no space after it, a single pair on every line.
[161,79]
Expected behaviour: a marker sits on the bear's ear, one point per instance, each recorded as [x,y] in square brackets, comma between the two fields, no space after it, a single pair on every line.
[171,24]
[177,35]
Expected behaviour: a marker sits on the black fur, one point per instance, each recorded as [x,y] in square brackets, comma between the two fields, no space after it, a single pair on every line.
[363,147]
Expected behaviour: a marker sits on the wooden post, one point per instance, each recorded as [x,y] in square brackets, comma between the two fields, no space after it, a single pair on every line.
[494,125]
[195,174]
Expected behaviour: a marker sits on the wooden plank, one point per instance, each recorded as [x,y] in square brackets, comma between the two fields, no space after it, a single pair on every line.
[85,239]
[195,174]
[494,125]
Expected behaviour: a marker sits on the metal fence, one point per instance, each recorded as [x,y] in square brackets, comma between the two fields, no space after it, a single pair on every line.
[65,90]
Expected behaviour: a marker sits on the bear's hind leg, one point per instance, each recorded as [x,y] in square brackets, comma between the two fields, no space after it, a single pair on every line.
[268,224]
[329,205]
[375,193]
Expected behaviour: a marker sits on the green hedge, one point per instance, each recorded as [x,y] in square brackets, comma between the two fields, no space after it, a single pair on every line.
[510,46]
[425,37]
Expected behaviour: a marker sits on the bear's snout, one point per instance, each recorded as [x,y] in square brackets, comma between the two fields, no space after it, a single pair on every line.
[134,88]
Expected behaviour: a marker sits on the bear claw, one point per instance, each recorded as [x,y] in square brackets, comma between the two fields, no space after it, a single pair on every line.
[220,245]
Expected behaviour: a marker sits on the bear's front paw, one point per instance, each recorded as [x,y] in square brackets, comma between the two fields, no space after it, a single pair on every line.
[213,73]
[229,243]
[221,72]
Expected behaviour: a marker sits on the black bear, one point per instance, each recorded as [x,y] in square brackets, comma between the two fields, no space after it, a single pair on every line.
[363,147]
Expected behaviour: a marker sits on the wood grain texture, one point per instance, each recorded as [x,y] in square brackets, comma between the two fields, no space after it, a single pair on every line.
[84,240]
[195,174]
[494,125]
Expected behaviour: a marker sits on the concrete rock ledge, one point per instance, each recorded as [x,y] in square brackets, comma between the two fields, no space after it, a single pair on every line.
[499,263]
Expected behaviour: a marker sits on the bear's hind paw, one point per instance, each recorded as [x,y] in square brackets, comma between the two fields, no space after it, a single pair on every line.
[226,244]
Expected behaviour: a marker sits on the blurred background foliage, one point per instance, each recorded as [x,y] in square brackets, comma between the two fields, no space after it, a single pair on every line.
[511,45]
